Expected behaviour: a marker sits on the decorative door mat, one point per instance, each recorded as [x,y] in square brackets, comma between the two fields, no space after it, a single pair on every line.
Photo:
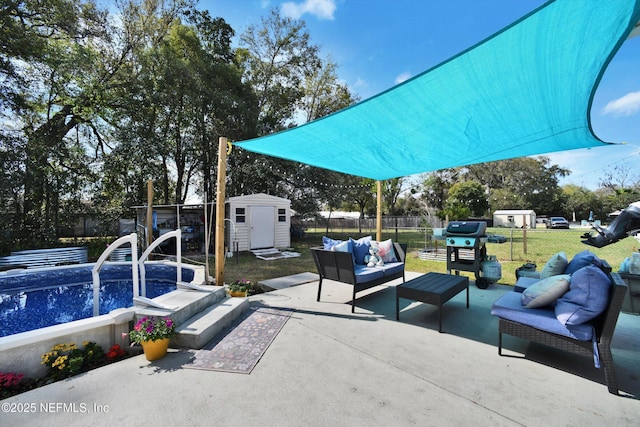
[239,347]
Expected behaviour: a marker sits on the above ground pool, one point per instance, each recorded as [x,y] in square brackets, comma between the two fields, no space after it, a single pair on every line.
[33,299]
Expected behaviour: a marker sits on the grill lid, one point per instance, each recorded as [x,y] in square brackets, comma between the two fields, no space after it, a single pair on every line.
[466,228]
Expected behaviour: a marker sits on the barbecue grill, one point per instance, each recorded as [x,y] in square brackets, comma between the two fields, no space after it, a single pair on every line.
[466,248]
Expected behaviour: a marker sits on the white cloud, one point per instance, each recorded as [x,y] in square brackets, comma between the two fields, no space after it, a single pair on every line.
[322,9]
[625,106]
[402,77]
[360,83]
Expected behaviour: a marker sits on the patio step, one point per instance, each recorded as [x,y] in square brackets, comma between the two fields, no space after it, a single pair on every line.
[197,331]
[184,304]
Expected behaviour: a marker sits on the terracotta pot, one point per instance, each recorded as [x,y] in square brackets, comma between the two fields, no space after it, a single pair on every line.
[154,350]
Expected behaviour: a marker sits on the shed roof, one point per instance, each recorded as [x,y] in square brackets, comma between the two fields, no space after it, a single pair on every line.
[258,196]
[514,212]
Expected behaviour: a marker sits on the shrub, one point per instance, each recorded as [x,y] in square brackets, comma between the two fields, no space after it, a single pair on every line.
[65,360]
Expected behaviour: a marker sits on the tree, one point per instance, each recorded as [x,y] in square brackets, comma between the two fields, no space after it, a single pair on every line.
[533,180]
[323,94]
[69,68]
[582,202]
[504,198]
[277,56]
[620,176]
[435,187]
[359,192]
[391,190]
[150,102]
[466,199]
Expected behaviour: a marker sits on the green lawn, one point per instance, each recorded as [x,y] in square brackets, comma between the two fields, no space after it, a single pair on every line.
[541,245]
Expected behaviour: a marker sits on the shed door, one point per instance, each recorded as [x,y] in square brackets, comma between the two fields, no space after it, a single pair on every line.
[263,233]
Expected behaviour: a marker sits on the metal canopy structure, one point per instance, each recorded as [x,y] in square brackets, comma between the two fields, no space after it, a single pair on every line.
[526,90]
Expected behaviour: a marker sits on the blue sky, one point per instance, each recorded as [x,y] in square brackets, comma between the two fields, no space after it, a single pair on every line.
[379,43]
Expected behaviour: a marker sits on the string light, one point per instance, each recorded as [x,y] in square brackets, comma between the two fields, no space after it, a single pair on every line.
[285,175]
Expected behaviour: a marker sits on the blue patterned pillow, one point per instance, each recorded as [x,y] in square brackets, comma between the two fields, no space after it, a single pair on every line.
[329,243]
[360,248]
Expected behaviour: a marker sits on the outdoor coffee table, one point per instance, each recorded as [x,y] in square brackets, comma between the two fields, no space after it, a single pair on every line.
[432,288]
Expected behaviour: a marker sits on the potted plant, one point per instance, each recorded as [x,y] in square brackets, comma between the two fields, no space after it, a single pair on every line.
[153,335]
[240,288]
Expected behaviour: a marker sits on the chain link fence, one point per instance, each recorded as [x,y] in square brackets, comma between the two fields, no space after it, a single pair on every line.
[518,246]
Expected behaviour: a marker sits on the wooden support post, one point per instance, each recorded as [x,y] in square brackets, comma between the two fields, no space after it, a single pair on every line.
[220,199]
[149,212]
[379,213]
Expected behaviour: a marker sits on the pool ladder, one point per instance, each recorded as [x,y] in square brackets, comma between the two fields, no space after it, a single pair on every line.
[137,265]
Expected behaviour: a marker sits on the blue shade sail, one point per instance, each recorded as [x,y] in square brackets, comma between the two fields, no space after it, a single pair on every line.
[526,90]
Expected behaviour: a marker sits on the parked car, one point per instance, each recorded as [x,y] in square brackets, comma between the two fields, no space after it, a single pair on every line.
[557,222]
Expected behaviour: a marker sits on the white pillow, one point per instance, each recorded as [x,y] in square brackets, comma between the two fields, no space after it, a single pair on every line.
[342,247]
[386,250]
[546,291]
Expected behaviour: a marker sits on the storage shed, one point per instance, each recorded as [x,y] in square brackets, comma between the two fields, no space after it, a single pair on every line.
[514,218]
[258,221]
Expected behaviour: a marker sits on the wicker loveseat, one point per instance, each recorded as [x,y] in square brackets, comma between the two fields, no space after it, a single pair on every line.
[346,268]
[577,320]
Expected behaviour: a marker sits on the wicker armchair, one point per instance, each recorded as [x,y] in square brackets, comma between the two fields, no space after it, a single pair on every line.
[599,347]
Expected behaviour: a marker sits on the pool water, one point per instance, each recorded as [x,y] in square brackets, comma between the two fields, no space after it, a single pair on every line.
[26,311]
[29,303]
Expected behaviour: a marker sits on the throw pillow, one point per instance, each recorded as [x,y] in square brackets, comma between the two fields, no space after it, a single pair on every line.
[385,250]
[329,243]
[555,266]
[360,249]
[345,246]
[582,259]
[546,291]
[587,298]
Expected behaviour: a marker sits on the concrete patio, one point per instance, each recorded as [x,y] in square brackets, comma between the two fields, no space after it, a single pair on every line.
[331,367]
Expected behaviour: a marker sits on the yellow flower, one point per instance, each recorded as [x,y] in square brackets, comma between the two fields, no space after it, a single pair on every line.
[60,361]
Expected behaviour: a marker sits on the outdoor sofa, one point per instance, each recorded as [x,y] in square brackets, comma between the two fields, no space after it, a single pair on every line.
[343,261]
[574,306]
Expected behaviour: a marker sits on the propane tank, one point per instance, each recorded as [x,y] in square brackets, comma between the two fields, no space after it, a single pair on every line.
[491,269]
[634,263]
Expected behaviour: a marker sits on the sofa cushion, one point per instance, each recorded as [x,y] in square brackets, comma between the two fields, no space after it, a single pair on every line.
[385,250]
[555,266]
[367,274]
[360,249]
[509,307]
[546,291]
[329,243]
[393,268]
[582,259]
[587,297]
